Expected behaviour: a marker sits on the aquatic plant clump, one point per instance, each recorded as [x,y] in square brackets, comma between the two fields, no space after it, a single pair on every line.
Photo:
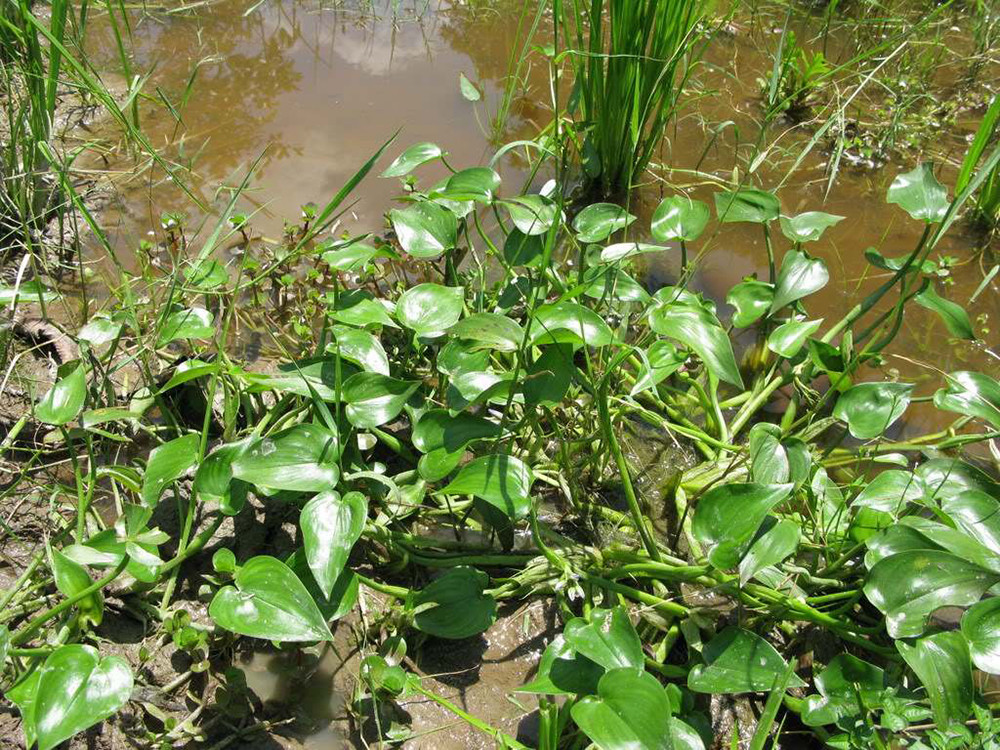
[476,405]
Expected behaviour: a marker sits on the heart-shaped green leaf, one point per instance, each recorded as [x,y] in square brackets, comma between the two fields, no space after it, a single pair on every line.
[341,599]
[747,205]
[679,219]
[608,639]
[502,481]
[890,492]
[869,409]
[599,221]
[374,399]
[908,586]
[214,478]
[330,525]
[532,214]
[942,663]
[977,514]
[569,323]
[659,362]
[303,458]
[77,689]
[425,230]
[166,464]
[727,518]
[775,541]
[413,157]
[844,680]
[919,193]
[490,331]
[774,460]
[787,339]
[360,347]
[563,671]
[981,628]
[270,602]
[738,661]
[621,250]
[193,323]
[438,428]
[455,606]
[65,398]
[971,393]
[698,329]
[752,299]
[357,307]
[611,282]
[799,277]
[473,184]
[71,578]
[954,316]
[469,90]
[631,710]
[520,249]
[808,226]
[430,309]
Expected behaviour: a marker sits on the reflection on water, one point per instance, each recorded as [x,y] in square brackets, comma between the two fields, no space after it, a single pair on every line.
[316,89]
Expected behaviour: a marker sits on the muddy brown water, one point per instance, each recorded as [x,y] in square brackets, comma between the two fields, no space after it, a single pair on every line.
[312,89]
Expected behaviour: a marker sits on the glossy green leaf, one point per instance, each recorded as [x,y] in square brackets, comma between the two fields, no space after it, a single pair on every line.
[532,214]
[906,587]
[374,399]
[954,316]
[490,331]
[599,221]
[727,517]
[520,249]
[563,671]
[977,514]
[799,277]
[357,307]
[698,329]
[919,193]
[659,362]
[841,683]
[869,409]
[747,205]
[189,370]
[608,639]
[890,492]
[808,226]
[621,250]
[981,628]
[438,428]
[330,525]
[193,323]
[65,398]
[971,393]
[360,347]
[71,578]
[469,89]
[430,309]
[548,378]
[774,460]
[76,690]
[738,661]
[878,260]
[950,476]
[269,601]
[472,184]
[100,330]
[27,292]
[214,479]
[341,599]
[569,322]
[207,275]
[611,282]
[752,299]
[502,481]
[773,543]
[425,230]
[788,339]
[942,663]
[630,711]
[166,464]
[455,605]
[679,218]
[23,695]
[413,157]
[355,257]
[303,458]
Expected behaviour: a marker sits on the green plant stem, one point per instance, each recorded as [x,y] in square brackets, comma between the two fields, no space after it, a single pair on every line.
[384,588]
[500,737]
